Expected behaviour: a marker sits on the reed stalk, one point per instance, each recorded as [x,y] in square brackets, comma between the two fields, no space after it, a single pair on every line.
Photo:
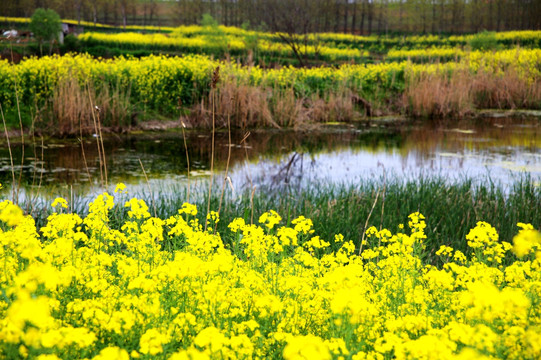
[226,177]
[183,127]
[367,220]
[10,156]
[214,81]
[33,203]
[21,129]
[149,188]
[99,140]
[252,187]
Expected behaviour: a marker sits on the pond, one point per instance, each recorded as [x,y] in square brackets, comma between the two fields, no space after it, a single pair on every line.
[497,149]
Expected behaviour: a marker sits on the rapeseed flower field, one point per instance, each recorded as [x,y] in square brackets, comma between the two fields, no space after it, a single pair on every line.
[328,47]
[86,287]
[234,44]
[157,82]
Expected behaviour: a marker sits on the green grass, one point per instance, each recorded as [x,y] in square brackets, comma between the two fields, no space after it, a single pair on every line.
[451,210]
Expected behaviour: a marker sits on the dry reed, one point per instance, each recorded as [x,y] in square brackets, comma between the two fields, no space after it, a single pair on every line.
[248,106]
[339,106]
[12,167]
[69,110]
[149,188]
[439,95]
[95,110]
[506,91]
[460,93]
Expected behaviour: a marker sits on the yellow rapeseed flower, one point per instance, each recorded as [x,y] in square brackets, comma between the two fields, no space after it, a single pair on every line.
[60,201]
[307,347]
[112,353]
[121,188]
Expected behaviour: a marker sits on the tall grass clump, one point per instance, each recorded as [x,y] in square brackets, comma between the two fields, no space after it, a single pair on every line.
[485,41]
[247,105]
[460,92]
[507,91]
[451,209]
[69,111]
[439,95]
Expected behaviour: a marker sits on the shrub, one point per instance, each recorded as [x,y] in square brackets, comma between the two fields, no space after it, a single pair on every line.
[46,25]
[485,40]
[71,44]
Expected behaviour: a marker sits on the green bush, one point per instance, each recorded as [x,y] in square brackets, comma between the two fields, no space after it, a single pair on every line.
[485,40]
[46,26]
[71,44]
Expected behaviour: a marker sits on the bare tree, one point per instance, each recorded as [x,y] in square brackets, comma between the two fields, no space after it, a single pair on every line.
[292,21]
[358,16]
[354,17]
[383,25]
[370,8]
[337,15]
[363,15]
[123,4]
[149,10]
[457,15]
[346,15]
[95,6]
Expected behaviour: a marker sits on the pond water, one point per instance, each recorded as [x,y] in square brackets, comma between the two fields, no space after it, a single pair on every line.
[498,149]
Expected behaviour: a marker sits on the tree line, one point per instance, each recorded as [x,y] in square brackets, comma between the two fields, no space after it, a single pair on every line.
[301,16]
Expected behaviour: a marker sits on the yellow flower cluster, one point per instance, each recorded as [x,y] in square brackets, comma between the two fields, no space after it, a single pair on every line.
[527,241]
[132,40]
[524,62]
[424,55]
[529,38]
[14,19]
[167,289]
[91,24]
[156,81]
[525,37]
[333,42]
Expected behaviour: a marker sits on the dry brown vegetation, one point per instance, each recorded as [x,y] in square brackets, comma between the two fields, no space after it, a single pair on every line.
[75,109]
[437,95]
[508,91]
[252,106]
[462,92]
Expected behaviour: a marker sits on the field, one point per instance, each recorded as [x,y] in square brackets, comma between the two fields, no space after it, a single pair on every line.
[167,72]
[388,268]
[174,288]
[54,92]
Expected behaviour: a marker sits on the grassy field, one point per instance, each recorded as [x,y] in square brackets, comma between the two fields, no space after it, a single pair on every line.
[349,209]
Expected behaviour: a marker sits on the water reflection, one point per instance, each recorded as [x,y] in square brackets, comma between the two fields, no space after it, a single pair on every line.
[500,148]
